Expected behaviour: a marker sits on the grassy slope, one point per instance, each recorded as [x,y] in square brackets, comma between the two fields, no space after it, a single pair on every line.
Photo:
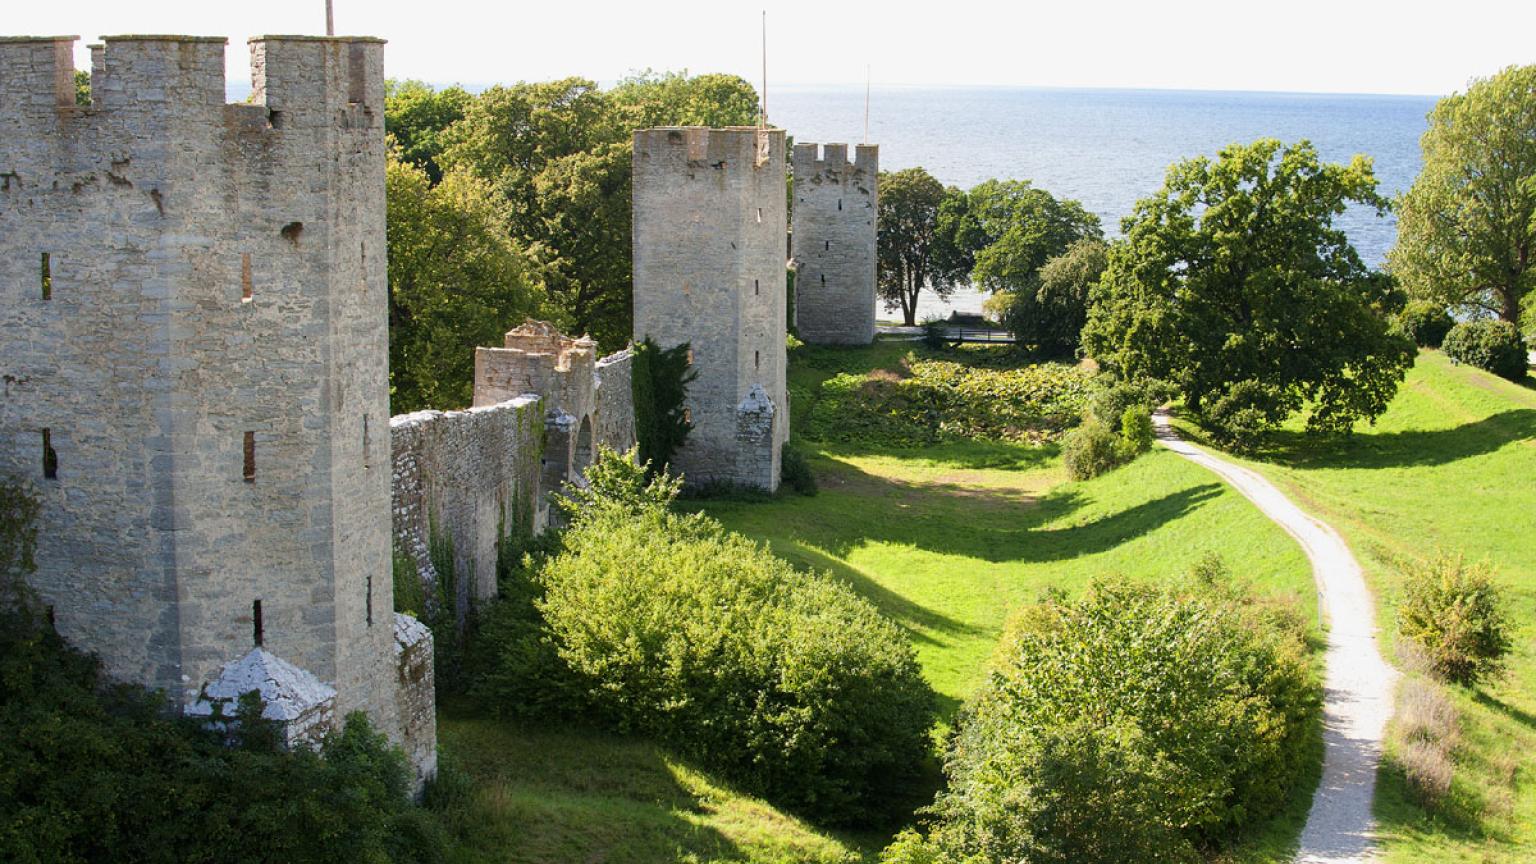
[548,796]
[948,540]
[1451,465]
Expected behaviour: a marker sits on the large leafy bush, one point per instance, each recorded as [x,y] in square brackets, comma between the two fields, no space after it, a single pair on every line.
[1427,322]
[1457,616]
[1135,724]
[786,681]
[1494,346]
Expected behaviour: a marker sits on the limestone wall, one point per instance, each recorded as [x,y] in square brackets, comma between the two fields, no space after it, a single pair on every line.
[470,476]
[193,350]
[836,205]
[709,256]
[614,413]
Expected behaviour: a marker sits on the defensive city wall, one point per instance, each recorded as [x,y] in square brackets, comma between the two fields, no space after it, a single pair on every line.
[194,355]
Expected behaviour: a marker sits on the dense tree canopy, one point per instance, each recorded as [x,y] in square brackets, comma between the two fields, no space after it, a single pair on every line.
[415,116]
[456,281]
[918,245]
[1466,233]
[1233,284]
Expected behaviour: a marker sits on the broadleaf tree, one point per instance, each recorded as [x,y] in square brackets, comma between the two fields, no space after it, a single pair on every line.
[917,247]
[1466,231]
[1234,284]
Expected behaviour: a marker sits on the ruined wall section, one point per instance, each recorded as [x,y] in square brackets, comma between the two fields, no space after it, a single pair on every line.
[192,304]
[836,207]
[470,477]
[709,256]
[614,416]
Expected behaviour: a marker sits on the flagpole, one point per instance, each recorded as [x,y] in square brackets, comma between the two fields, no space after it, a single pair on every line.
[330,20]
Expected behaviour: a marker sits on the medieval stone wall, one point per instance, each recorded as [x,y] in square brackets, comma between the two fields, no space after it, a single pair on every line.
[193,354]
[709,257]
[836,205]
[613,395]
[471,477]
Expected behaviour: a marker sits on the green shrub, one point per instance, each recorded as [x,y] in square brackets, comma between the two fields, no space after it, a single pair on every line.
[1113,398]
[787,682]
[1245,411]
[1134,724]
[1427,323]
[1494,346]
[935,335]
[659,386]
[1426,728]
[1136,432]
[1458,617]
[1090,450]
[94,771]
[934,400]
[795,471]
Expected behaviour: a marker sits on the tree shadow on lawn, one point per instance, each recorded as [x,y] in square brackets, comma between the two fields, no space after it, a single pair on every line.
[1295,449]
[947,519]
[576,794]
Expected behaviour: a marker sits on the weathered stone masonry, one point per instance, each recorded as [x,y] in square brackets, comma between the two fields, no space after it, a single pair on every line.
[709,256]
[542,405]
[836,205]
[194,364]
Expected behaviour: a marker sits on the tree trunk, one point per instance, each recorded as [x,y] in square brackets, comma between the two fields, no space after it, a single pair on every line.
[1509,303]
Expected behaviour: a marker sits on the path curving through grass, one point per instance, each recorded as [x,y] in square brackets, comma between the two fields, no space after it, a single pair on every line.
[1358,683]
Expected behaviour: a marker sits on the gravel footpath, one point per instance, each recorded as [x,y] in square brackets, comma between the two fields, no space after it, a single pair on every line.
[1357,685]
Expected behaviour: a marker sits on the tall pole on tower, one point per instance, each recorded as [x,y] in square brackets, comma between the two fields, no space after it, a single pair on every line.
[866,104]
[330,20]
[762,117]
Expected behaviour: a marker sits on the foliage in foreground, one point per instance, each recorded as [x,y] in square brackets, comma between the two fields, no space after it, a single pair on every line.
[1466,229]
[932,400]
[786,682]
[1234,284]
[1493,346]
[1135,724]
[91,771]
[1426,727]
[1457,616]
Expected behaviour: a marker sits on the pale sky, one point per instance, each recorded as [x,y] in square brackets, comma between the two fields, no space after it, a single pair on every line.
[1337,46]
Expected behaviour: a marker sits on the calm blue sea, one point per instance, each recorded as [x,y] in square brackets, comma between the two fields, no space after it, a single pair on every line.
[1108,148]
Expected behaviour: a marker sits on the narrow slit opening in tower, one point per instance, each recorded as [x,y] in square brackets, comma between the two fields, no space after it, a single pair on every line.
[757,287]
[50,457]
[250,457]
[839,203]
[759,214]
[258,633]
[47,276]
[827,247]
[823,278]
[246,289]
[757,359]
[368,602]
[365,441]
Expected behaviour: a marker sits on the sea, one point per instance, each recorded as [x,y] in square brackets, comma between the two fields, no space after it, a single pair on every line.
[1105,148]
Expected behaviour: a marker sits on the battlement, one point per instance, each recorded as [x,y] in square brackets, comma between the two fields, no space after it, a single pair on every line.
[182,76]
[722,148]
[810,158]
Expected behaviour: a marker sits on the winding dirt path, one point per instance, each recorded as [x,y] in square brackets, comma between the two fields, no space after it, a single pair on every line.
[1358,684]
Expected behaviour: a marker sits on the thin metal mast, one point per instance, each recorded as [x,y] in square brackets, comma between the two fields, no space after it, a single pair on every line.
[330,20]
[762,117]
[866,104]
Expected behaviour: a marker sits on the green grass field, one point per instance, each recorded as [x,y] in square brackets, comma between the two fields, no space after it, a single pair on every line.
[947,540]
[1452,466]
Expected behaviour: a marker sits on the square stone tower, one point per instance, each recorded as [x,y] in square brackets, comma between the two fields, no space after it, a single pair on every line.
[193,350]
[836,207]
[709,256]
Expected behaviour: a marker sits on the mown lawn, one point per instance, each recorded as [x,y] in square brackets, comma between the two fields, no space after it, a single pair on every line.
[1451,465]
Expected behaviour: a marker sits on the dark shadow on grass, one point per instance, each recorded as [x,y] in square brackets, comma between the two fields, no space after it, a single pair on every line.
[1399,449]
[919,621]
[1519,715]
[945,518]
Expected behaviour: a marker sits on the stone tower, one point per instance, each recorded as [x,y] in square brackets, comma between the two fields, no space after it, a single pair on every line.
[836,202]
[709,257]
[193,350]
